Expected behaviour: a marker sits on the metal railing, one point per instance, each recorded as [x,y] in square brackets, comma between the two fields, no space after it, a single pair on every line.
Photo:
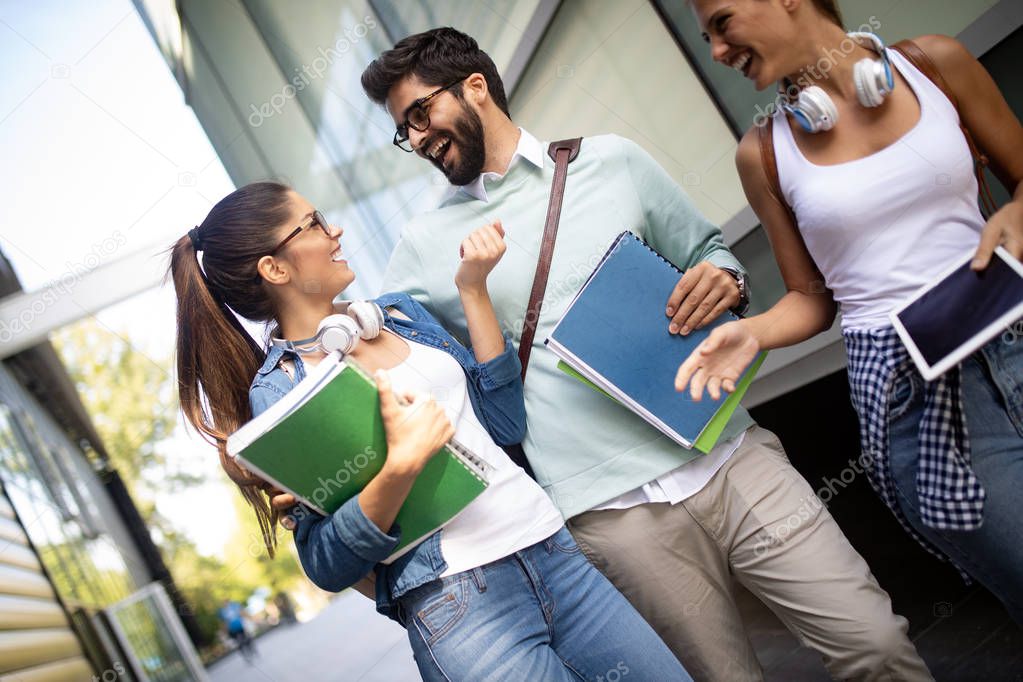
[153,638]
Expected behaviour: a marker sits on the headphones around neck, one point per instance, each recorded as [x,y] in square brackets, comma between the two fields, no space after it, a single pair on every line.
[341,331]
[814,110]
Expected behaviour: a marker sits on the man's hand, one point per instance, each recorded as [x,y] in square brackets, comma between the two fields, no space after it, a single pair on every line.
[480,252]
[701,295]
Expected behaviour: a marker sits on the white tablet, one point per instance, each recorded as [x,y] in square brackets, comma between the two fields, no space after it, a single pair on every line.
[947,320]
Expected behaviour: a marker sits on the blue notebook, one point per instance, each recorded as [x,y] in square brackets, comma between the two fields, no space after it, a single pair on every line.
[615,334]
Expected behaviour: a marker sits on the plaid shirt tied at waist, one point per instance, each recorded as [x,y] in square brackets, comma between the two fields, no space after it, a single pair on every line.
[950,496]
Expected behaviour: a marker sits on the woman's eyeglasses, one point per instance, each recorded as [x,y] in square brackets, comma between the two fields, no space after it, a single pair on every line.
[316,219]
[417,117]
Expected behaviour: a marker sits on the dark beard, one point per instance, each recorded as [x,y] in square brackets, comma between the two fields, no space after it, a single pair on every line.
[468,136]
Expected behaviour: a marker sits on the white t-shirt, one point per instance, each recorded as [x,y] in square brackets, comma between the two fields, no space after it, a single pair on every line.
[513,512]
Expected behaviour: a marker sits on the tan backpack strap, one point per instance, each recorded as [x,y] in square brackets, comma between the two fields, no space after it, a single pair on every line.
[925,65]
[563,152]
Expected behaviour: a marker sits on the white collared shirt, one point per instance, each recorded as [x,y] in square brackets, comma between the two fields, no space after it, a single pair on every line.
[528,148]
[681,482]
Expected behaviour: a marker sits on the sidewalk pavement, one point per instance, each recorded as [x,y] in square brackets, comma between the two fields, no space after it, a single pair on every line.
[347,641]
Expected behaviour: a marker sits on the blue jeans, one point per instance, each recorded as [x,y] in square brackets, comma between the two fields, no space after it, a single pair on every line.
[543,613]
[992,381]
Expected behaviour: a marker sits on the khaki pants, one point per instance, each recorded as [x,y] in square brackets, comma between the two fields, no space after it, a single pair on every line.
[758,519]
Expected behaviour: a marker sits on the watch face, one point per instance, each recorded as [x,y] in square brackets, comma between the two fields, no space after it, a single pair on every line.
[740,281]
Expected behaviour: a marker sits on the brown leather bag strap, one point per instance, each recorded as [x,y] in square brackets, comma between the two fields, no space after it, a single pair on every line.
[563,152]
[765,135]
[925,65]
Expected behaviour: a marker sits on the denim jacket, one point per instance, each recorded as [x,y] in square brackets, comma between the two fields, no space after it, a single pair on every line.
[336,551]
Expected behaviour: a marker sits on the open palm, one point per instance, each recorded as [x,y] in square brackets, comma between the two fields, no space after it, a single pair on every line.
[718,362]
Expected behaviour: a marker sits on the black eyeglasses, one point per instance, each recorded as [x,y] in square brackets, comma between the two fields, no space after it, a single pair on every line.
[417,117]
[316,219]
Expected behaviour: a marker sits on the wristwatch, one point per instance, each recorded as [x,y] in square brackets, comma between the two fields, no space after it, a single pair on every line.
[740,280]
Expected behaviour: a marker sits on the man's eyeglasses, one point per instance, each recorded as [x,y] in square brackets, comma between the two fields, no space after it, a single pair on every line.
[316,219]
[417,117]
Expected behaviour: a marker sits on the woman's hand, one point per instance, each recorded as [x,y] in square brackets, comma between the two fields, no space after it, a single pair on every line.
[282,502]
[415,430]
[1006,229]
[480,252]
[719,361]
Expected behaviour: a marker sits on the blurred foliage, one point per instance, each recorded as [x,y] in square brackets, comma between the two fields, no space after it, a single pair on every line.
[132,399]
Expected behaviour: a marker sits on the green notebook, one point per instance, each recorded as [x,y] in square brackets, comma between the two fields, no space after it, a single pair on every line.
[324,441]
[712,432]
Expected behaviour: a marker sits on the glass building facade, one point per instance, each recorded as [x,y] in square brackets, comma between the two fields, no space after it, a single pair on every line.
[73,576]
[277,90]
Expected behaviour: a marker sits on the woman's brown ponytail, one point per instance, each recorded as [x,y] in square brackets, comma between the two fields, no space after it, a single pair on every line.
[216,358]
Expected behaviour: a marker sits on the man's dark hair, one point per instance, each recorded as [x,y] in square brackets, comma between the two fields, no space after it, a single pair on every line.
[435,57]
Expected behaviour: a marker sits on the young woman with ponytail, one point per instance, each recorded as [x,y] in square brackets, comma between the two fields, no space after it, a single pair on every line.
[502,591]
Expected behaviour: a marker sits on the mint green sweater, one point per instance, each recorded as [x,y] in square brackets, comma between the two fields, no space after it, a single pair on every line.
[584,448]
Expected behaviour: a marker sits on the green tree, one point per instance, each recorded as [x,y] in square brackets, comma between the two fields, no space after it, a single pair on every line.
[130,397]
[132,400]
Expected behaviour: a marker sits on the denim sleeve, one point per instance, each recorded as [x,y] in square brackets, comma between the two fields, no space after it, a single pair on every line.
[502,409]
[261,397]
[337,551]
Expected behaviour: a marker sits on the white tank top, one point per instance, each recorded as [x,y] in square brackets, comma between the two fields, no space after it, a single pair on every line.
[882,226]
[513,512]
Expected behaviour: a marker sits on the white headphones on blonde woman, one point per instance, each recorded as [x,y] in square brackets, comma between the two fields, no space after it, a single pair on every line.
[814,110]
[341,331]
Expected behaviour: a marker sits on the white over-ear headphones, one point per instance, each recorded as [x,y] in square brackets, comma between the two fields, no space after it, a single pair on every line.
[341,331]
[814,110]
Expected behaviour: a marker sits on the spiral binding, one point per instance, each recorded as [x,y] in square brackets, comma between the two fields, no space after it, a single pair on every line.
[617,244]
[654,251]
[475,464]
